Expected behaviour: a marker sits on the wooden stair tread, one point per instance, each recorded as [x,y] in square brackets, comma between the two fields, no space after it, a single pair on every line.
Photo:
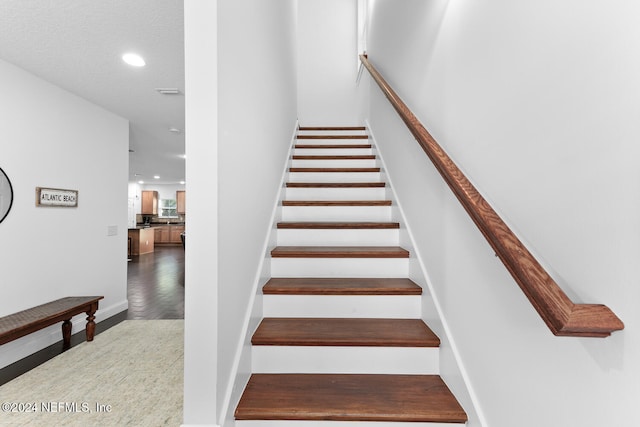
[336,157]
[339,252]
[336,203]
[332,128]
[335,184]
[372,332]
[333,136]
[334,169]
[331,146]
[340,286]
[329,225]
[349,397]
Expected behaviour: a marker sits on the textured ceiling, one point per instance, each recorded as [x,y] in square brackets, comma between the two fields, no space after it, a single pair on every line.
[78,45]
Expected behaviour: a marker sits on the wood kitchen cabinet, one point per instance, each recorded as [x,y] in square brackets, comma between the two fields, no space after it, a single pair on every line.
[180,201]
[161,234]
[168,234]
[174,233]
[149,203]
[142,241]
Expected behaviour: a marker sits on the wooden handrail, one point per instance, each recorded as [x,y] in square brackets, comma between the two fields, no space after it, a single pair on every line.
[561,315]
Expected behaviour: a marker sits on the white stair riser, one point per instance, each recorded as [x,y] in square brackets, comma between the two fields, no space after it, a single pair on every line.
[335,193]
[272,359]
[296,423]
[331,132]
[332,151]
[341,163]
[339,267]
[334,177]
[338,237]
[333,141]
[349,306]
[336,213]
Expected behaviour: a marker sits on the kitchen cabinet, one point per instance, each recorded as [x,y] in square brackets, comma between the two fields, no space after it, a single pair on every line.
[180,201]
[174,233]
[142,240]
[168,234]
[149,203]
[161,234]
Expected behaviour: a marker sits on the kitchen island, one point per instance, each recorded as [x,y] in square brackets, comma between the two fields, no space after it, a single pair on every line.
[142,240]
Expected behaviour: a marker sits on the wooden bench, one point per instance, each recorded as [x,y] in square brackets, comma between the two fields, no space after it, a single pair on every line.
[23,323]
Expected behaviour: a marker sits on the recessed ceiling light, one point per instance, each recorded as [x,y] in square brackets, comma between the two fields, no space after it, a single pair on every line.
[140,182]
[156,177]
[182,182]
[133,59]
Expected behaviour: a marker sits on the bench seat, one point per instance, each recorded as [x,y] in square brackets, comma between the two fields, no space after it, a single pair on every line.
[24,322]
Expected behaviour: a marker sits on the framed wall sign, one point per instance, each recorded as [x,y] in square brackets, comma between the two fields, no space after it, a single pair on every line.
[56,197]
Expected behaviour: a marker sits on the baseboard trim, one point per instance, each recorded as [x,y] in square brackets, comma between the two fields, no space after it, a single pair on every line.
[24,365]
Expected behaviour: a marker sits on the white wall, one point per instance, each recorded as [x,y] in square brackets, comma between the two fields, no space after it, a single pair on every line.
[52,138]
[328,63]
[257,100]
[236,150]
[538,104]
[201,251]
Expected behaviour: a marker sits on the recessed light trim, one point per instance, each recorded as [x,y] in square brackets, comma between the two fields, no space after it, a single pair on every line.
[133,59]
[156,177]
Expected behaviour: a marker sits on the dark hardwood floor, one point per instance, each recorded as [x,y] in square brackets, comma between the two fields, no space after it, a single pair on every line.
[155,289]
[155,284]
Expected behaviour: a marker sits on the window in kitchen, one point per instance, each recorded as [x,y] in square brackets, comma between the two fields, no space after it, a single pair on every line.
[168,208]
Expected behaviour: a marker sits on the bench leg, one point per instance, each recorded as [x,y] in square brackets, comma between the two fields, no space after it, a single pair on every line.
[91,325]
[66,334]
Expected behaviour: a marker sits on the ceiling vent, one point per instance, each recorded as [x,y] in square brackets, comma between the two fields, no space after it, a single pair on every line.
[168,90]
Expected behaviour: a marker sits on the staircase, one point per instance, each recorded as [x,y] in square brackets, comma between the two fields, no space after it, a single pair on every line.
[342,341]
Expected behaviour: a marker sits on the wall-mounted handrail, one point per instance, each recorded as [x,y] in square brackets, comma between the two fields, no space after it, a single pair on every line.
[561,315]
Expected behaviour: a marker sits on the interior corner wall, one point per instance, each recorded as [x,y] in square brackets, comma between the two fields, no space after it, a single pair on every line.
[538,104]
[327,63]
[54,139]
